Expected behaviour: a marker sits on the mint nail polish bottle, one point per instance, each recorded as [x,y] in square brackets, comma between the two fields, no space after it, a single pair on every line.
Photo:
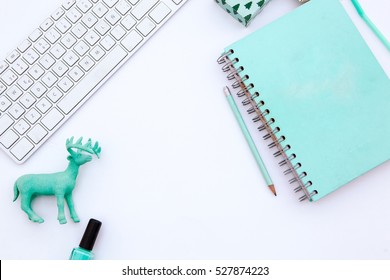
[84,251]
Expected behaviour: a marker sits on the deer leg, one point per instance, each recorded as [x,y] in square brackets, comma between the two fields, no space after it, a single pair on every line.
[26,207]
[69,201]
[60,204]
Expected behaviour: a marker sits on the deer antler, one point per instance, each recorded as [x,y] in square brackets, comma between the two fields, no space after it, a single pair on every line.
[87,147]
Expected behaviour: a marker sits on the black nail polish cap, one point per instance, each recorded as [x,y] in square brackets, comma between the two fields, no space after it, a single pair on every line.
[90,234]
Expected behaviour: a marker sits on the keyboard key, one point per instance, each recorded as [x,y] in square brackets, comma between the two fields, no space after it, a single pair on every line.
[13,56]
[57,14]
[31,56]
[123,7]
[49,79]
[79,30]
[107,43]
[89,20]
[86,63]
[43,105]
[60,69]
[14,92]
[76,74]
[118,32]
[25,82]
[22,148]
[37,133]
[68,4]
[143,7]
[3,66]
[52,119]
[146,26]
[84,5]
[57,51]
[35,35]
[113,17]
[132,40]
[102,27]
[81,48]
[92,38]
[8,138]
[128,22]
[36,71]
[63,25]
[19,66]
[27,100]
[71,58]
[4,103]
[32,116]
[160,12]
[110,3]
[54,95]
[73,15]
[100,10]
[9,77]
[21,126]
[38,89]
[24,45]
[65,84]
[2,87]
[68,41]
[5,122]
[16,111]
[46,24]
[52,35]
[97,53]
[89,82]
[47,61]
[42,46]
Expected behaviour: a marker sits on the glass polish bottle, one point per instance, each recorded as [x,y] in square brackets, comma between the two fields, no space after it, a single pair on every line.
[84,251]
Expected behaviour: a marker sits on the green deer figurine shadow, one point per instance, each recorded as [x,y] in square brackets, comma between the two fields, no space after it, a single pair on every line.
[59,184]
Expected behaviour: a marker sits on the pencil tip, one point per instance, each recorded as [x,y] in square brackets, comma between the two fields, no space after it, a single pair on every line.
[272,188]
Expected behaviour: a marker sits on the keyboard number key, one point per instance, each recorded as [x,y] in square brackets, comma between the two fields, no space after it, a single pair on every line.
[84,5]
[63,25]
[31,56]
[37,133]
[8,138]
[100,10]
[24,45]
[73,15]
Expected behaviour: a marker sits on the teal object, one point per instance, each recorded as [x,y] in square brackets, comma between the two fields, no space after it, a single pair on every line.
[324,89]
[250,141]
[84,251]
[59,184]
[370,24]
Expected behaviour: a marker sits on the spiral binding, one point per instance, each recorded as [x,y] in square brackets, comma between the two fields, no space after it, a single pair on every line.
[230,66]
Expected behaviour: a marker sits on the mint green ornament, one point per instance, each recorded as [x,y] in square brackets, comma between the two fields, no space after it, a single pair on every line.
[59,184]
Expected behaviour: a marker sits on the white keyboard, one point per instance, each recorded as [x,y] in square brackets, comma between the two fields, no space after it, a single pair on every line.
[63,62]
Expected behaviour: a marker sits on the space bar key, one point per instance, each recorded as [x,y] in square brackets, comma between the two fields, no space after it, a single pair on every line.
[92,79]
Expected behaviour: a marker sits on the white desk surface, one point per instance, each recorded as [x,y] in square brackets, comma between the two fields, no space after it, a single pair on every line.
[176,179]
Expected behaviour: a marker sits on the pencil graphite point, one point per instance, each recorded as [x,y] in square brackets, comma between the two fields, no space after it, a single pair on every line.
[272,188]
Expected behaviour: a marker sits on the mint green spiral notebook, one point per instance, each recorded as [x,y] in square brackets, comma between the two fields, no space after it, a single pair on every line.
[318,92]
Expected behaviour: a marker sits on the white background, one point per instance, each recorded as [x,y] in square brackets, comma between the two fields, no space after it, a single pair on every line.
[176,179]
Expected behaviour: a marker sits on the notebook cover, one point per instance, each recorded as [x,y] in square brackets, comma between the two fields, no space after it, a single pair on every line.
[325,90]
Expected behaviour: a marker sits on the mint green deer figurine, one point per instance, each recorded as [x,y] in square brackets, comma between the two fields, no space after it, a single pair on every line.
[60,184]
